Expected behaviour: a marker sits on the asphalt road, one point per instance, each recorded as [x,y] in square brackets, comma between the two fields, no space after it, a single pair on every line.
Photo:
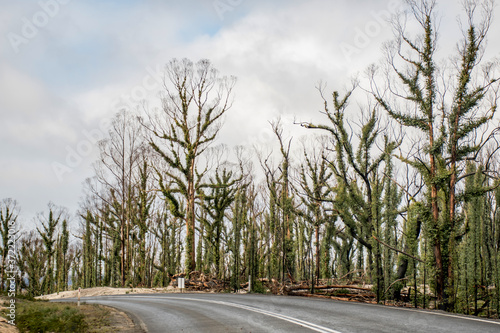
[262,313]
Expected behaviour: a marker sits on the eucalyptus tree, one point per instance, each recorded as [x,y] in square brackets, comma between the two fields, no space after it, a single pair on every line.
[254,252]
[222,187]
[89,253]
[195,99]
[273,233]
[48,232]
[391,200]
[62,260]
[142,212]
[286,202]
[240,214]
[32,261]
[316,191]
[9,211]
[448,106]
[165,230]
[116,170]
[478,249]
[357,175]
[280,213]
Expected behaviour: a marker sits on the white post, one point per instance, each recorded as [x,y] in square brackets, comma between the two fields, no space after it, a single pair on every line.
[180,283]
[79,291]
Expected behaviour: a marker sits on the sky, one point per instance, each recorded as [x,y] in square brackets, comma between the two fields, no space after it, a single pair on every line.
[67,66]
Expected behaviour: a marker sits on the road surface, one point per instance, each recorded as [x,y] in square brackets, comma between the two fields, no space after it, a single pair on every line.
[262,313]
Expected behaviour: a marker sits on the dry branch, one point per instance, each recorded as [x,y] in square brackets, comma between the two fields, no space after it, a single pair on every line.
[397,250]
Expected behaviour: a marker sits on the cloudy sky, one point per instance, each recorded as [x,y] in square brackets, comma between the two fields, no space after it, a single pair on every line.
[67,65]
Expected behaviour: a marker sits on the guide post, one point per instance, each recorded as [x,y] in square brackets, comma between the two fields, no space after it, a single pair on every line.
[180,283]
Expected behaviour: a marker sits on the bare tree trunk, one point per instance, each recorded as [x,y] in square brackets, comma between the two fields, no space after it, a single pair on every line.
[316,231]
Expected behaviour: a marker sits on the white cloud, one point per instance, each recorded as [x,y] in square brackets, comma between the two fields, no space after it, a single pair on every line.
[15,87]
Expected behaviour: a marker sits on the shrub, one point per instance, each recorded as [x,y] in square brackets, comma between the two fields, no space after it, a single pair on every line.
[48,317]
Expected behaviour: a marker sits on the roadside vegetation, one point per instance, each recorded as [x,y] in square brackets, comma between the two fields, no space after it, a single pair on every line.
[44,316]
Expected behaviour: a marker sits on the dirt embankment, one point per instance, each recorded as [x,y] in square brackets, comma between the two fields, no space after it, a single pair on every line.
[101,291]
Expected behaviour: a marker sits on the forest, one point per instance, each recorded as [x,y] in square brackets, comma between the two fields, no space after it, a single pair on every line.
[400,194]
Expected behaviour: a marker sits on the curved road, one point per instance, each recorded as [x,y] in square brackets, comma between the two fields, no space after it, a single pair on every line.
[261,313]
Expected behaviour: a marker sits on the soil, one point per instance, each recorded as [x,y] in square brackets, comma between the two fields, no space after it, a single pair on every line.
[114,320]
[6,327]
[101,291]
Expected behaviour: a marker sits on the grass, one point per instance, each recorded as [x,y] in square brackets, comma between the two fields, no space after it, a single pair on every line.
[42,316]
[97,318]
[49,317]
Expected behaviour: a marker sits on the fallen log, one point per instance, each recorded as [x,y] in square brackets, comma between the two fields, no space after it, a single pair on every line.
[367,298]
[305,287]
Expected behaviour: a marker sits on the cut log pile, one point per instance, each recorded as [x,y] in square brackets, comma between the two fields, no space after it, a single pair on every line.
[333,291]
[198,281]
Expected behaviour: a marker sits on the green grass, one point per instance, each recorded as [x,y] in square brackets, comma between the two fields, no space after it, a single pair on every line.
[97,318]
[49,317]
[42,316]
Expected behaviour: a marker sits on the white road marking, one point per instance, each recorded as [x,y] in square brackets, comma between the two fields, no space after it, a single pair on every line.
[296,321]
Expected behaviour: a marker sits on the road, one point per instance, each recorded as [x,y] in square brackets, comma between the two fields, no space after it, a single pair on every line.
[262,313]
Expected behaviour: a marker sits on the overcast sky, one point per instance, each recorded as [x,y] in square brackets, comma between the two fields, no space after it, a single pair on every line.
[67,65]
